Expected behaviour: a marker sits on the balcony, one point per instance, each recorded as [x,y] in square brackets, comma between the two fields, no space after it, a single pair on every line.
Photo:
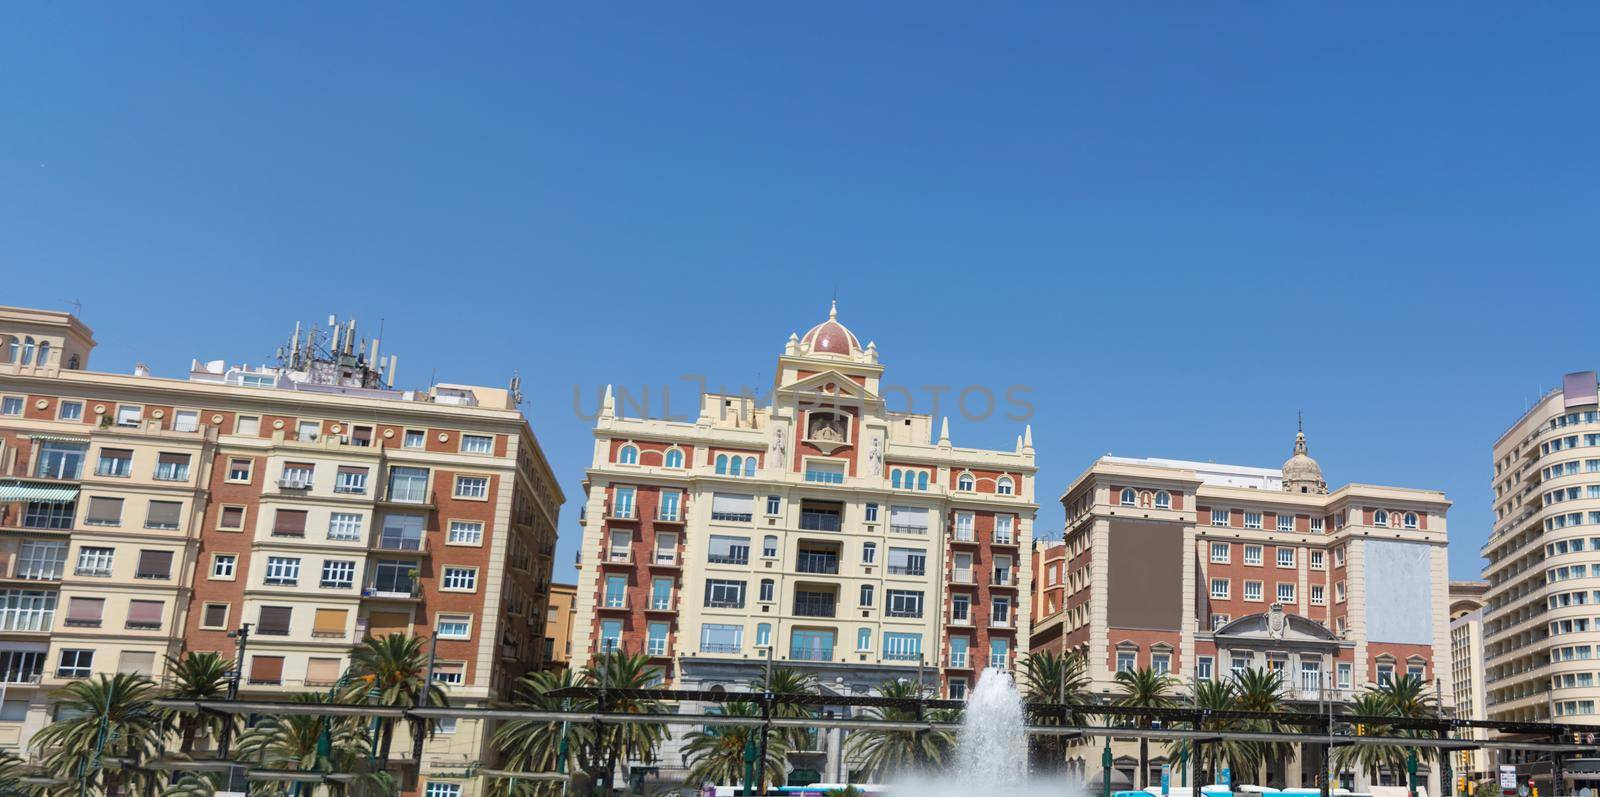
[959,661]
[817,562]
[964,537]
[393,592]
[814,607]
[295,481]
[626,512]
[965,622]
[907,528]
[1002,622]
[961,577]
[719,647]
[908,570]
[819,521]
[668,559]
[616,556]
[1003,578]
[810,653]
[614,603]
[398,543]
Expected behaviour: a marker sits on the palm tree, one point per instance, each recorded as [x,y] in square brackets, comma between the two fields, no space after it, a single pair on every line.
[1371,757]
[624,741]
[198,675]
[111,716]
[886,753]
[788,681]
[1220,695]
[718,750]
[1264,691]
[392,671]
[11,772]
[1049,677]
[1146,688]
[535,745]
[296,742]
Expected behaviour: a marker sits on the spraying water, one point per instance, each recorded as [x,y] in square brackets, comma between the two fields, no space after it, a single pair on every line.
[991,749]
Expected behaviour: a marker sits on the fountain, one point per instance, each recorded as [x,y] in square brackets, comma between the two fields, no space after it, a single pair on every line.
[991,755]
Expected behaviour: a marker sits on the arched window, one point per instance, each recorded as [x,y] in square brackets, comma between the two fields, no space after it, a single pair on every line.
[27,351]
[72,362]
[44,353]
[750,467]
[674,458]
[763,634]
[966,483]
[1163,499]
[1411,520]
[869,553]
[722,464]
[1380,518]
[735,465]
[1004,486]
[894,478]
[922,480]
[8,349]
[1127,496]
[628,455]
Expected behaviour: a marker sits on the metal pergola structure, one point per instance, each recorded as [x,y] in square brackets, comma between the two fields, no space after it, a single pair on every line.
[1078,720]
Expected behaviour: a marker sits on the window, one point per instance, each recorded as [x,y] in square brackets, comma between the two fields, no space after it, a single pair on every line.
[825,472]
[769,546]
[129,416]
[1128,498]
[214,615]
[415,438]
[1252,590]
[1338,557]
[94,562]
[865,598]
[774,505]
[1385,673]
[960,607]
[1316,560]
[231,518]
[1252,554]
[964,526]
[907,561]
[338,574]
[238,469]
[349,480]
[1203,668]
[863,639]
[26,610]
[958,689]
[1219,517]
[674,459]
[766,590]
[104,511]
[872,513]
[71,411]
[902,647]
[1163,499]
[484,444]
[1252,520]
[1285,556]
[346,526]
[903,603]
[666,548]
[1161,662]
[728,550]
[732,508]
[1002,486]
[721,638]
[11,405]
[1380,518]
[163,515]
[465,532]
[667,509]
[661,594]
[41,560]
[1410,520]
[1285,592]
[75,663]
[656,638]
[966,483]
[1338,592]
[1285,522]
[58,459]
[223,564]
[723,594]
[1316,524]
[307,431]
[1219,588]
[144,614]
[459,579]
[154,564]
[439,789]
[1001,614]
[297,476]
[115,462]
[274,620]
[289,523]
[1220,552]
[1219,620]
[49,515]
[1003,525]
[621,546]
[282,571]
[408,485]
[472,486]
[616,592]
[1318,595]
[1126,661]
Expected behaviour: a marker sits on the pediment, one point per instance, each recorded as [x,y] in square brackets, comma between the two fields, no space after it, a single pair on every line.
[1260,628]
[829,383]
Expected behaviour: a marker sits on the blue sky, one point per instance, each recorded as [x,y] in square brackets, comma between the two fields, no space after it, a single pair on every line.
[1177,224]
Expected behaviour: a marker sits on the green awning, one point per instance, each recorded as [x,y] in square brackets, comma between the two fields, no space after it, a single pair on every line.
[44,493]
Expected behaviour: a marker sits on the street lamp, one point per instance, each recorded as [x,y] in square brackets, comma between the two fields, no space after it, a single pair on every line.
[242,641]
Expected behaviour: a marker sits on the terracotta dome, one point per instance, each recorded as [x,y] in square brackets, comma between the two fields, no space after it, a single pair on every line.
[831,337]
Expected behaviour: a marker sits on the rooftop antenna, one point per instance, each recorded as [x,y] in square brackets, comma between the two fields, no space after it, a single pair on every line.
[77,307]
[516,389]
[1301,423]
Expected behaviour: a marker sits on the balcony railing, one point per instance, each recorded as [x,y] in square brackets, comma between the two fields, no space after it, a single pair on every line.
[826,563]
[961,620]
[958,660]
[1003,576]
[961,577]
[907,570]
[810,653]
[398,542]
[900,528]
[819,521]
[295,481]
[814,608]
[719,647]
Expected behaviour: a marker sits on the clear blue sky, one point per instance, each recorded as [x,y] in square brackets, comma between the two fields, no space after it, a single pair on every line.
[1178,225]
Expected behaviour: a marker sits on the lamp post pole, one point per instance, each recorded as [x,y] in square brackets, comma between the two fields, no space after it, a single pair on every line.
[1105,769]
[224,744]
[422,702]
[766,725]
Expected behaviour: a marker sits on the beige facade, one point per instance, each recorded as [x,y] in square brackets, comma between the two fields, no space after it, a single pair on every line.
[822,529]
[146,516]
[1201,569]
[1466,674]
[1542,560]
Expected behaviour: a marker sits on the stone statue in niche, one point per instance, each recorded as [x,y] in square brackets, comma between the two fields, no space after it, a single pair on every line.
[875,456]
[780,433]
[826,428]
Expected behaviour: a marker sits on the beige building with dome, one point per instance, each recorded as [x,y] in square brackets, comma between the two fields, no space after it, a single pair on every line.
[1203,570]
[822,530]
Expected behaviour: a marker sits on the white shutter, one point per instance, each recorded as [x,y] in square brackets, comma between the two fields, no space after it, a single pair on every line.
[731,504]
